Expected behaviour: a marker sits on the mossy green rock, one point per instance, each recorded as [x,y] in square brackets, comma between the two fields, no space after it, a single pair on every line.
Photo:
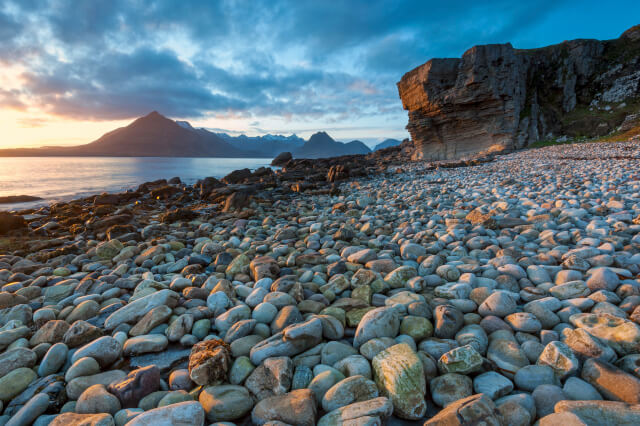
[15,382]
[463,360]
[355,315]
[399,374]
[107,250]
[61,272]
[56,293]
[417,327]
[238,264]
[363,293]
[399,276]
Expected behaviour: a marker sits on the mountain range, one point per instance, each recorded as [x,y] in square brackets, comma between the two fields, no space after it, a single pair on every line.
[155,135]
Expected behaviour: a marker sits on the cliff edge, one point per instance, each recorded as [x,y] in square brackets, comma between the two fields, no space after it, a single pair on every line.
[498,98]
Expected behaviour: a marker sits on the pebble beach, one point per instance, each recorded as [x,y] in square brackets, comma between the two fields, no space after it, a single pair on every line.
[502,292]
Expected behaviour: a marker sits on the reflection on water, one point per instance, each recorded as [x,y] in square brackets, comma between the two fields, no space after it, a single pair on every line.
[66,178]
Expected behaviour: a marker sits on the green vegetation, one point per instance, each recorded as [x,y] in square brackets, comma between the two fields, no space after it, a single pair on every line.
[553,142]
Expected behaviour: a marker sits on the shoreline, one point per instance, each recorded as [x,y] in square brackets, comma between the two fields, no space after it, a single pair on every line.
[400,290]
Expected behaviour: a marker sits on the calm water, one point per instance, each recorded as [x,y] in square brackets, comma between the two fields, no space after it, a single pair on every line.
[66,178]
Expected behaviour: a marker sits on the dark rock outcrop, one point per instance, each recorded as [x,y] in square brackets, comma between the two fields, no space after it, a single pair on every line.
[18,199]
[497,98]
[11,222]
[281,159]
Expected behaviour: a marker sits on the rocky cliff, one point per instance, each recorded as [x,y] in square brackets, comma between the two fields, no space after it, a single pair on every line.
[497,98]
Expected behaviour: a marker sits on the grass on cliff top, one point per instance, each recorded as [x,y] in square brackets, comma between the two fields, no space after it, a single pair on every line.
[613,137]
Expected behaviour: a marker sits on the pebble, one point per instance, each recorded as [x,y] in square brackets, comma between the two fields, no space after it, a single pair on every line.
[513,293]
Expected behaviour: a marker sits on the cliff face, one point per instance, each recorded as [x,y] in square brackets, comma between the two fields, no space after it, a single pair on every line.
[497,98]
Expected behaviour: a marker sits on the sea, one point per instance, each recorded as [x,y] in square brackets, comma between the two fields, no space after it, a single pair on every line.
[66,178]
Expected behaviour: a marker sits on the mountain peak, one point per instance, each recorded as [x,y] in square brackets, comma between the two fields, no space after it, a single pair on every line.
[321,138]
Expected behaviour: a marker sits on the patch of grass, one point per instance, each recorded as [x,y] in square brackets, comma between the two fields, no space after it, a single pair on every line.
[551,142]
[620,136]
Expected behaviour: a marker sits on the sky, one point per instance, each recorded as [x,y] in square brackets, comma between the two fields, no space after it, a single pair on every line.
[71,70]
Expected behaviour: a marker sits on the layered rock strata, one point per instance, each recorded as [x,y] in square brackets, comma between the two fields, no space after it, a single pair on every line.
[498,98]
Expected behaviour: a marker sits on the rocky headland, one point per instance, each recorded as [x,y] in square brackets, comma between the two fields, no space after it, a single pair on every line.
[498,98]
[358,290]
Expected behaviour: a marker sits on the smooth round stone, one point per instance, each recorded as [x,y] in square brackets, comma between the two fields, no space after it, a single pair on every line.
[323,381]
[301,377]
[225,402]
[568,275]
[603,279]
[333,352]
[243,345]
[492,384]
[264,313]
[122,417]
[492,323]
[201,328]
[449,388]
[374,346]
[145,344]
[54,359]
[524,321]
[86,366]
[151,401]
[354,365]
[546,397]
[348,391]
[500,304]
[532,349]
[579,390]
[180,380]
[95,399]
[240,370]
[528,378]
[448,320]
[174,397]
[30,411]
[538,274]
[523,399]
[474,336]
[419,328]
[15,382]
[379,322]
[106,350]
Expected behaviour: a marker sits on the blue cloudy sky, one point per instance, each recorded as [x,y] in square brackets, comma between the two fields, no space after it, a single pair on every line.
[71,69]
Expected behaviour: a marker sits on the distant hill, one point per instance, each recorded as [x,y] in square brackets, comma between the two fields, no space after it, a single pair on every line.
[387,143]
[267,145]
[321,145]
[153,135]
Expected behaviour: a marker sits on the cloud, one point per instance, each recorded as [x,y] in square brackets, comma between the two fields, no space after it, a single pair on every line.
[302,59]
